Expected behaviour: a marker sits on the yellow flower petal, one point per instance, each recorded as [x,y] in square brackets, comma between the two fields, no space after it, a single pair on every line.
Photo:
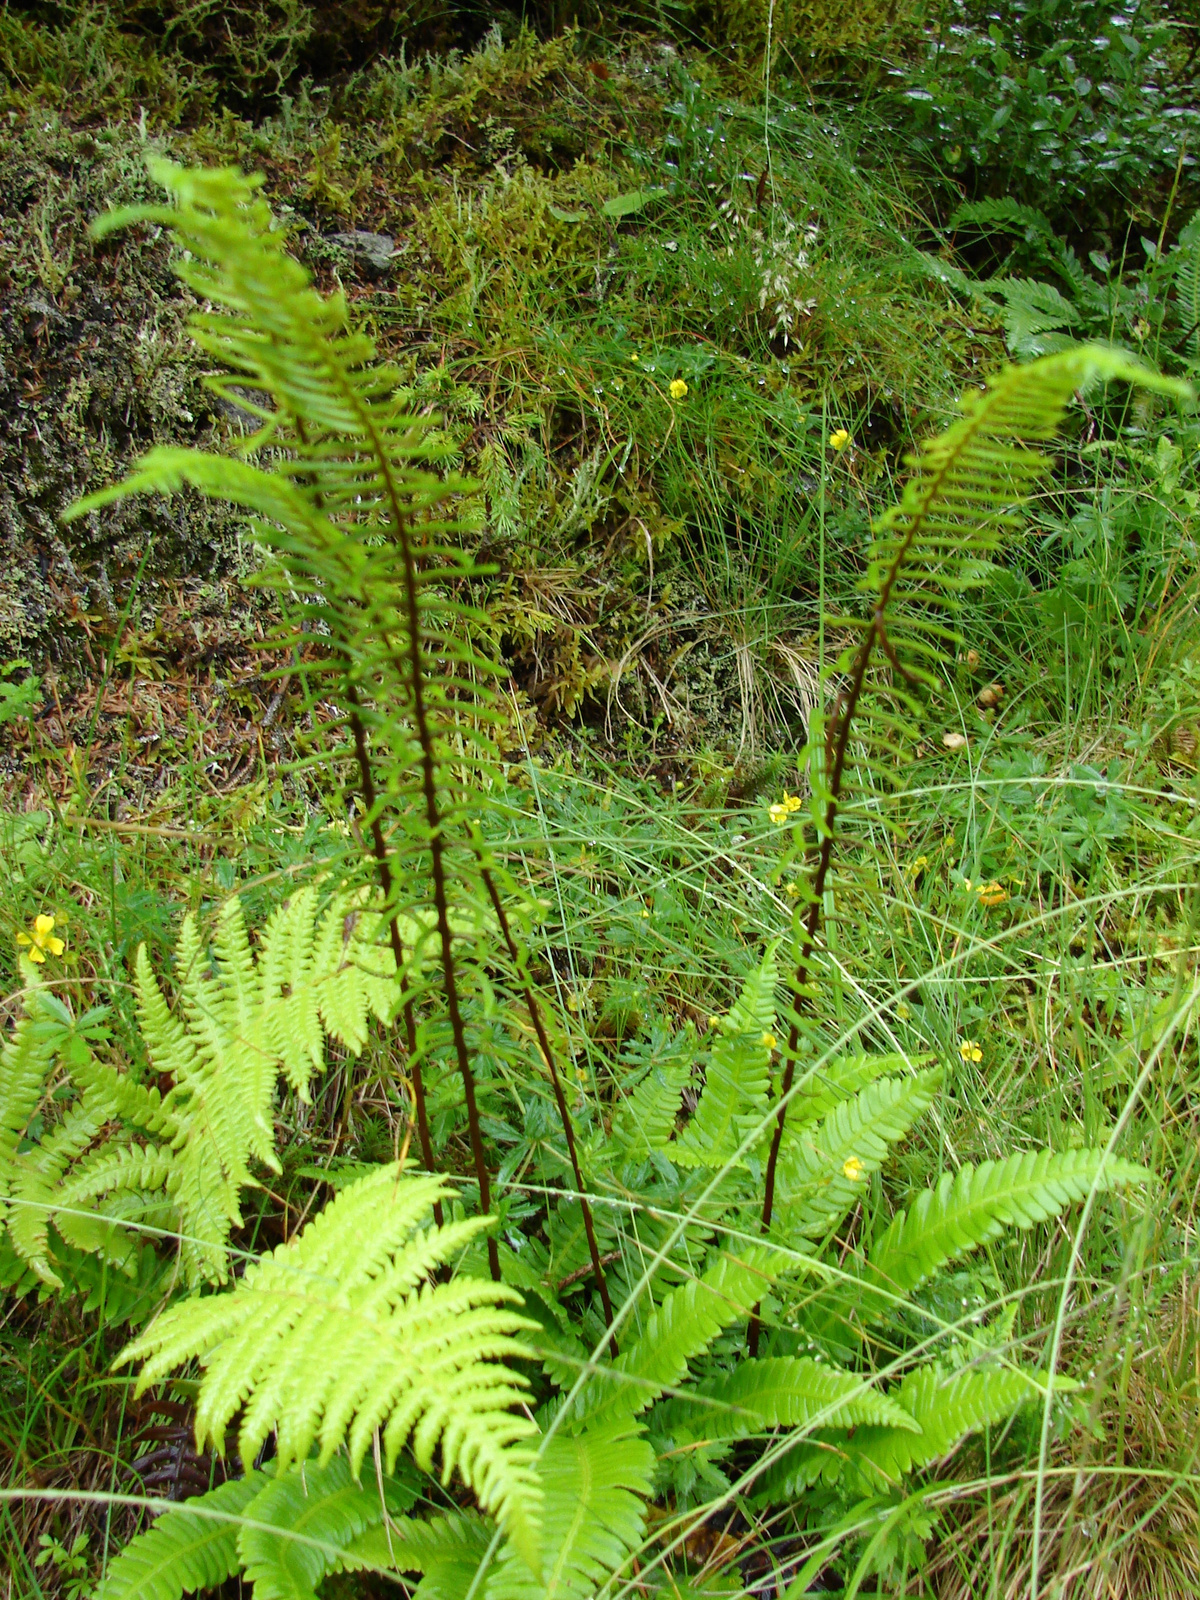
[853,1169]
[43,925]
[36,955]
[55,946]
[23,938]
[769,1041]
[839,439]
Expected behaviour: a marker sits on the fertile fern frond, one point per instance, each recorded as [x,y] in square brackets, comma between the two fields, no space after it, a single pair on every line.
[593,1515]
[822,1168]
[964,494]
[780,1392]
[737,1079]
[349,508]
[341,1332]
[187,1550]
[681,1328]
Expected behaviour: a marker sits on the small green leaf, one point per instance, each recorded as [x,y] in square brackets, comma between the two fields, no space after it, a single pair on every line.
[626,205]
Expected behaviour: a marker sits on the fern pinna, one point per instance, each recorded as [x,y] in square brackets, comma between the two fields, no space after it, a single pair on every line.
[340,483]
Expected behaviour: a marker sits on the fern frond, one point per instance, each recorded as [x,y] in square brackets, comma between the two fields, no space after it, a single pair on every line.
[737,1079]
[780,1392]
[330,1512]
[593,1516]
[340,1332]
[646,1118]
[841,1078]
[946,1408]
[448,1550]
[964,493]
[681,1328]
[26,1057]
[822,1169]
[974,1205]
[184,1553]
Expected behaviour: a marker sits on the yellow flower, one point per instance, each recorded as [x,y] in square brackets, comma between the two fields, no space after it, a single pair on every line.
[782,809]
[853,1169]
[769,1041]
[791,890]
[991,894]
[839,439]
[677,389]
[970,1051]
[714,1022]
[645,915]
[635,356]
[919,865]
[41,939]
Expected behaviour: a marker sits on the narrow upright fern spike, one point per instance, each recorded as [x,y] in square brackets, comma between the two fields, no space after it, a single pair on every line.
[350,503]
[965,492]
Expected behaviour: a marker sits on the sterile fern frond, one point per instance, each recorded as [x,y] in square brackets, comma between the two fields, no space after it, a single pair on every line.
[681,1328]
[823,1167]
[945,1406]
[593,1515]
[26,1057]
[283,1530]
[645,1121]
[780,1392]
[341,1332]
[737,1079]
[187,1550]
[314,1514]
[974,1205]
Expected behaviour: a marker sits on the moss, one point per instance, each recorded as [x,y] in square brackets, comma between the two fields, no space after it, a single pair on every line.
[98,368]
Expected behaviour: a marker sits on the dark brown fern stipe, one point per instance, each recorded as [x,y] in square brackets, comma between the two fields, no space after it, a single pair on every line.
[560,1098]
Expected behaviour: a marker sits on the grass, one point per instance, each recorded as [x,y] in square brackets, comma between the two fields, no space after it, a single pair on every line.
[571,240]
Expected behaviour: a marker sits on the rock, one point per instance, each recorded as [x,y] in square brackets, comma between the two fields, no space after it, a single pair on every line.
[374,249]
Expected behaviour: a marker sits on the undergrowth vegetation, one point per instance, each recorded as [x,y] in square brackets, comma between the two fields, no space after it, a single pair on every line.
[599,696]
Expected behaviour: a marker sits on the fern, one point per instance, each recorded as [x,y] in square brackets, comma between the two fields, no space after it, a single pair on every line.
[1184,263]
[340,1332]
[822,1171]
[190,1549]
[963,495]
[966,1209]
[782,1392]
[738,1075]
[684,1326]
[238,1030]
[944,1408]
[284,1531]
[974,1205]
[349,508]
[593,1515]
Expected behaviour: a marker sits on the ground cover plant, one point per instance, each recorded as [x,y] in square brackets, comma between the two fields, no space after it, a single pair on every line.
[599,874]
